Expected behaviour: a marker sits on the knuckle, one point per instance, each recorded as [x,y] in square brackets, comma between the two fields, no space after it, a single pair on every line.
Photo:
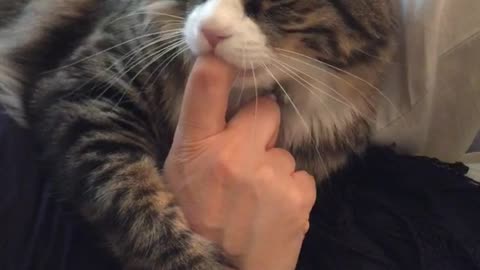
[224,165]
[266,173]
[304,175]
[310,193]
[306,227]
[296,199]
[309,200]
[301,200]
[286,155]
[282,155]
[281,152]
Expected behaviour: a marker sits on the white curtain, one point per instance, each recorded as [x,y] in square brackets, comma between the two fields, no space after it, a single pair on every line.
[433,87]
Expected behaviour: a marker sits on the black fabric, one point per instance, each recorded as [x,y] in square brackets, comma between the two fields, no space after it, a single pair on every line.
[385,211]
[395,212]
[36,231]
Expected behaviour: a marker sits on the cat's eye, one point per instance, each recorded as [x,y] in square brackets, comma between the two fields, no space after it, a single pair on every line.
[253,7]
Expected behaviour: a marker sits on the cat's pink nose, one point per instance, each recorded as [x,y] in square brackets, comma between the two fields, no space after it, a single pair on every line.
[213,37]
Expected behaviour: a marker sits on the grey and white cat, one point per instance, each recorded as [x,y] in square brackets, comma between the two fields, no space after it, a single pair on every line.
[100,84]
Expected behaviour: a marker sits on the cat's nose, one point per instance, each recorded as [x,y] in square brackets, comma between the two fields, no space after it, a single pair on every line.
[214,37]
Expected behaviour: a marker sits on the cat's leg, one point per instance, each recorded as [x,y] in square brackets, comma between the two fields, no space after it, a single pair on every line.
[105,166]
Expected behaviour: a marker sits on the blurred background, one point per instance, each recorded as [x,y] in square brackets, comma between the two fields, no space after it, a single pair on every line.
[432,104]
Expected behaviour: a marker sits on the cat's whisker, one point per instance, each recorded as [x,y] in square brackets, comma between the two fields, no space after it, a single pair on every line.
[297,71]
[244,71]
[359,92]
[163,48]
[116,77]
[180,51]
[370,104]
[159,54]
[137,12]
[289,73]
[287,96]
[307,127]
[168,60]
[138,73]
[170,36]
[181,46]
[118,61]
[165,14]
[168,39]
[179,31]
[339,70]
[164,25]
[125,91]
[330,66]
[158,24]
[256,104]
[322,161]
[294,74]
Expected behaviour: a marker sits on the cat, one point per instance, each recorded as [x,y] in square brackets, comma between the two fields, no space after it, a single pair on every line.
[100,85]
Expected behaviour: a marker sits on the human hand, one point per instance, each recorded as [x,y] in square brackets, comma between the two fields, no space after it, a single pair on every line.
[234,187]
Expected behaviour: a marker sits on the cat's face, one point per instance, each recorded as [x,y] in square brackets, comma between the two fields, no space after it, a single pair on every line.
[268,36]
[321,58]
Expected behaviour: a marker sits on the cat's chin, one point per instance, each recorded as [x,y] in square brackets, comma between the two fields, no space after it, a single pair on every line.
[261,79]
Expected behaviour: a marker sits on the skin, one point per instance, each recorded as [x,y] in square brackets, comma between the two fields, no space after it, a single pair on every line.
[233,185]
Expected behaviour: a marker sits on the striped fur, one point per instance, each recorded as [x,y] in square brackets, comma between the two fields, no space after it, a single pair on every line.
[105,118]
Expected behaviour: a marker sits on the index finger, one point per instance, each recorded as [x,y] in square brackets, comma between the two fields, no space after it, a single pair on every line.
[205,99]
[306,185]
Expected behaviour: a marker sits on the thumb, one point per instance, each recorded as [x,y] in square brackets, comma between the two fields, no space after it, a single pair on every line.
[261,116]
[206,99]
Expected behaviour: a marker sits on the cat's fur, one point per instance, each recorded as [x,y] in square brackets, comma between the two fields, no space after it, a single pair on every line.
[104,118]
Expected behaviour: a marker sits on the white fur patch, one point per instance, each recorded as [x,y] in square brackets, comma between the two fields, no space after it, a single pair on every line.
[246,46]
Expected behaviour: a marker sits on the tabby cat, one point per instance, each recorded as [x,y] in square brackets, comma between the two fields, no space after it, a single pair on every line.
[100,84]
